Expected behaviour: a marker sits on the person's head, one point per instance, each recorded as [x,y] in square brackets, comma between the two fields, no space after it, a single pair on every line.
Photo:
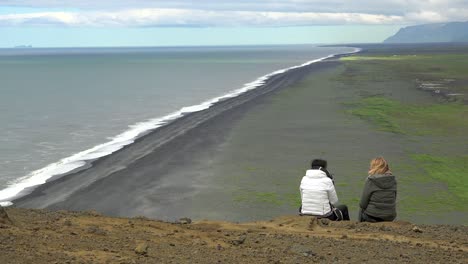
[378,166]
[318,163]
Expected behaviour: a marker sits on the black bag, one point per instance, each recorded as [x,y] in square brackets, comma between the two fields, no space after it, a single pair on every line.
[338,215]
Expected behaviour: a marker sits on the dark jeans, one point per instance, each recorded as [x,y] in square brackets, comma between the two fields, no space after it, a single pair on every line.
[363,217]
[341,213]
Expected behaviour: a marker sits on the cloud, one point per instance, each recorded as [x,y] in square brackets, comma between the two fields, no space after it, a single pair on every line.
[184,13]
[388,7]
[187,17]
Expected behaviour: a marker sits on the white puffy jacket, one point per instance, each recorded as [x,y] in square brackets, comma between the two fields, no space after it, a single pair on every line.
[317,192]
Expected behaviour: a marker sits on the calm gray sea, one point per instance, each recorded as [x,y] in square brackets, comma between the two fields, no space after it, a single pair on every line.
[55,103]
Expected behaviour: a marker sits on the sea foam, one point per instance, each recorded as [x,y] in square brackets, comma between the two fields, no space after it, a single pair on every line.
[17,188]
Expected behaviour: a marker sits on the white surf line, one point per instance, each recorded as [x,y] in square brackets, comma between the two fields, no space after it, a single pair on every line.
[75,161]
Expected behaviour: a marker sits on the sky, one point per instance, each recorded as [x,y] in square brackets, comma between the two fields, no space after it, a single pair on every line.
[110,23]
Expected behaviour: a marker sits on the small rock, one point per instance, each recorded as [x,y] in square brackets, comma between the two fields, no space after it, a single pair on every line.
[142,249]
[73,233]
[324,221]
[96,230]
[308,253]
[417,229]
[384,228]
[67,222]
[239,241]
[344,236]
[184,221]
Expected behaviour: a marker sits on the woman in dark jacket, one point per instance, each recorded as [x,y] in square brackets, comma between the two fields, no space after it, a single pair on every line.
[378,200]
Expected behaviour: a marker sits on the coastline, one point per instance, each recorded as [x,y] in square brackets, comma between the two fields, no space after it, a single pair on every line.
[245,164]
[55,192]
[84,159]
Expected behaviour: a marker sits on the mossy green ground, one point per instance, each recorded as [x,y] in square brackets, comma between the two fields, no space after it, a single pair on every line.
[414,119]
[348,112]
[452,171]
[439,164]
[448,68]
[429,65]
[426,150]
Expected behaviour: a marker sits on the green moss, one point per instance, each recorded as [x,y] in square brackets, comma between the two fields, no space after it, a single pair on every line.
[379,111]
[395,117]
[451,171]
[293,199]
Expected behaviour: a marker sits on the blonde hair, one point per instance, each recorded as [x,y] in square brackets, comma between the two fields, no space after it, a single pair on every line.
[378,166]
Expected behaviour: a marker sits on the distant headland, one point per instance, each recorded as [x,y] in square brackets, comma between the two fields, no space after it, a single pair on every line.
[23,47]
[439,32]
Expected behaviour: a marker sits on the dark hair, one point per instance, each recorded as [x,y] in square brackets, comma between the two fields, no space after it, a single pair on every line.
[318,163]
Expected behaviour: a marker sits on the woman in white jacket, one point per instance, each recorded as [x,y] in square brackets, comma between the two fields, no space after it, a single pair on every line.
[318,194]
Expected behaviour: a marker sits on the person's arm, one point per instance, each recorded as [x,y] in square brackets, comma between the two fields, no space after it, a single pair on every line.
[332,197]
[366,192]
[301,190]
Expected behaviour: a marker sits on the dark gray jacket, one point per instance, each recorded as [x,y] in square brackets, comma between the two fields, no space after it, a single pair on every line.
[379,197]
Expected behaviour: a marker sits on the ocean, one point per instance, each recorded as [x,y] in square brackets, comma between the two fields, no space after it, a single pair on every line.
[62,107]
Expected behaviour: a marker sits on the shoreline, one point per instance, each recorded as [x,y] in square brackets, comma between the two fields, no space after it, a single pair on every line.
[55,192]
[85,159]
[244,164]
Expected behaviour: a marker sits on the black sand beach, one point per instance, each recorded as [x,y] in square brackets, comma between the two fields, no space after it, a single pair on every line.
[159,175]
[243,158]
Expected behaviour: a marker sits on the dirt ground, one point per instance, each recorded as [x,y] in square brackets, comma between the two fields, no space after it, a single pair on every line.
[39,236]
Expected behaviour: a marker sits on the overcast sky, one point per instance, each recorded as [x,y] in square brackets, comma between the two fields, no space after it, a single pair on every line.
[213,22]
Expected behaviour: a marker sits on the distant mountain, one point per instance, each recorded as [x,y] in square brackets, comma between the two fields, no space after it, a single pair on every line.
[440,32]
[23,47]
